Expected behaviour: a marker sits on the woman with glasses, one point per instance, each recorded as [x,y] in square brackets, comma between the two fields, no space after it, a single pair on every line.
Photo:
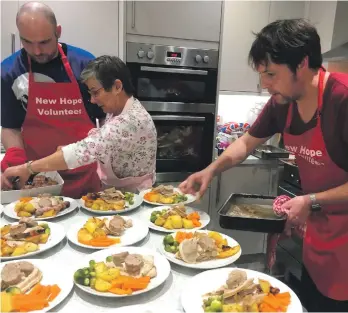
[124,147]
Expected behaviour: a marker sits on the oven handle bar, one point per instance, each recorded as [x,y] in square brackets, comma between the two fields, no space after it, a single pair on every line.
[173,70]
[185,118]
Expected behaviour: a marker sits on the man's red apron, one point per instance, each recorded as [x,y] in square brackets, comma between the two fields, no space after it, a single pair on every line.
[56,116]
[325,246]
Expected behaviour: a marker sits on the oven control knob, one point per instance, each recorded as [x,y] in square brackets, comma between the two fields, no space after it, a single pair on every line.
[150,55]
[141,53]
[198,58]
[206,59]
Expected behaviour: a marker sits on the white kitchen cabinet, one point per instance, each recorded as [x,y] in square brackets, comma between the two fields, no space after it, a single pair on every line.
[90,25]
[9,32]
[322,15]
[195,20]
[286,10]
[241,20]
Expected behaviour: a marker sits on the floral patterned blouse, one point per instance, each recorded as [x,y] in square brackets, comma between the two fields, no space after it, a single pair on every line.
[128,141]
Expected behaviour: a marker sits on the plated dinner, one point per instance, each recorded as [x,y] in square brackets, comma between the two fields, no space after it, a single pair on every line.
[29,237]
[178,217]
[101,233]
[237,290]
[42,207]
[202,249]
[166,194]
[111,201]
[121,272]
[32,285]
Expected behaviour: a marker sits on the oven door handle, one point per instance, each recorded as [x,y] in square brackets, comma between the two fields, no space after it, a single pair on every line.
[185,118]
[173,70]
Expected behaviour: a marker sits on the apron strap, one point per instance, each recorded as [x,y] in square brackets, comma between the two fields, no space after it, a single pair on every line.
[320,100]
[66,65]
[318,141]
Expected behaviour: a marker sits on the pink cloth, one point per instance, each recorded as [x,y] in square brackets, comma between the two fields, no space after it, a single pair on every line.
[272,239]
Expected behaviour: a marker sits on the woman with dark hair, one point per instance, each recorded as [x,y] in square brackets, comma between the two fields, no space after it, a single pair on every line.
[309,106]
[124,147]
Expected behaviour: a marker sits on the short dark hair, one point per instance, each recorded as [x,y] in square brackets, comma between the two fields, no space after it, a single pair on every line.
[287,42]
[106,69]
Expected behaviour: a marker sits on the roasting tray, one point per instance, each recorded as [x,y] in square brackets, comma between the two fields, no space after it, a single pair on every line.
[270,152]
[269,223]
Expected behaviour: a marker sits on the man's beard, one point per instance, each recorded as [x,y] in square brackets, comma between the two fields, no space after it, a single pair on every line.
[283,99]
[43,58]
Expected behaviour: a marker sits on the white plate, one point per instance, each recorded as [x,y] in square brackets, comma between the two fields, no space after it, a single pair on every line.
[206,264]
[161,263]
[132,235]
[208,281]
[205,219]
[137,203]
[10,212]
[190,198]
[51,276]
[56,236]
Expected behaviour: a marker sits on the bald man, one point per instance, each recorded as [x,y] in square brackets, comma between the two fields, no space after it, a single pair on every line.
[44,105]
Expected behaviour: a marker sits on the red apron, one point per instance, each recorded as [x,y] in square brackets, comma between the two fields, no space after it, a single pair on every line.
[56,116]
[325,246]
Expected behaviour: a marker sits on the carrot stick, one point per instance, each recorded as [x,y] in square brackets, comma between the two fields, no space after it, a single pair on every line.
[55,291]
[119,291]
[36,290]
[44,293]
[134,286]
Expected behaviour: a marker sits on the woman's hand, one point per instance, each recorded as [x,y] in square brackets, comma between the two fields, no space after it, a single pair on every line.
[20,171]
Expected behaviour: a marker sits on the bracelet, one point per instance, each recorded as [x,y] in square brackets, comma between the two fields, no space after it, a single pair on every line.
[29,168]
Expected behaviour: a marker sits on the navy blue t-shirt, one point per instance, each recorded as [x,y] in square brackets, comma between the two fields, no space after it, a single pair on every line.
[15,78]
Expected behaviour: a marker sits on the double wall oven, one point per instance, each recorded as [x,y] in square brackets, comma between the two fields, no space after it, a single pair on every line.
[178,87]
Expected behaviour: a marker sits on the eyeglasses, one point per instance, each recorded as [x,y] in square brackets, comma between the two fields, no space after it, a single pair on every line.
[94,93]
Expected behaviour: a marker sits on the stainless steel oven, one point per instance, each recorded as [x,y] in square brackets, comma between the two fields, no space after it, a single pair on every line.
[178,87]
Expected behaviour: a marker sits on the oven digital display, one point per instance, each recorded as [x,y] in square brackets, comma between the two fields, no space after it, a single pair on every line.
[171,54]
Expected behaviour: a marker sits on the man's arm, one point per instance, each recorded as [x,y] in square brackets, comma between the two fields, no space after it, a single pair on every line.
[236,153]
[11,137]
[333,196]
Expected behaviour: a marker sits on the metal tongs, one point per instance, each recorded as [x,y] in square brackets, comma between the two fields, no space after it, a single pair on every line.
[15,181]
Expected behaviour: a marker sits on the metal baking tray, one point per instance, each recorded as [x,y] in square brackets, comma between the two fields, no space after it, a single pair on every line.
[270,152]
[268,223]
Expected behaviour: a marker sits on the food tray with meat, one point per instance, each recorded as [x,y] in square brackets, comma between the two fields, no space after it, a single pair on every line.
[104,232]
[48,182]
[251,213]
[270,152]
[200,249]
[166,194]
[110,201]
[121,272]
[178,217]
[237,290]
[42,207]
[28,237]
[32,285]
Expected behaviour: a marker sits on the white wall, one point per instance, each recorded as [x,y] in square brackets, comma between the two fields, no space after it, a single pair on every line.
[236,108]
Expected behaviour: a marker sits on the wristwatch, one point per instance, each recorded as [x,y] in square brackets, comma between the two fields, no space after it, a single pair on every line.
[315,206]
[29,168]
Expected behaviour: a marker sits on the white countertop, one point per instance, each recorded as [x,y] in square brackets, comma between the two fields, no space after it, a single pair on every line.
[165,296]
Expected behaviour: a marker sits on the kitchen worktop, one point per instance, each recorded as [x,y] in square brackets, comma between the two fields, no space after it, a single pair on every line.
[167,295]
